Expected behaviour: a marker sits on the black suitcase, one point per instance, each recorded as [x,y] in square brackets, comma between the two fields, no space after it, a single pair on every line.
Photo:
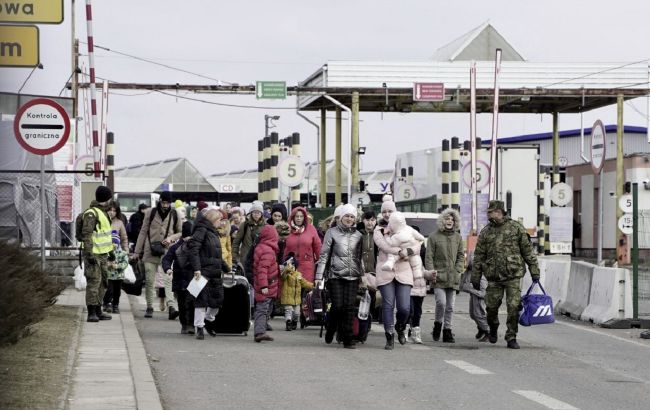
[234,316]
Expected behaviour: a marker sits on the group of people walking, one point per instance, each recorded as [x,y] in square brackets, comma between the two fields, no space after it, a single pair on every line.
[285,256]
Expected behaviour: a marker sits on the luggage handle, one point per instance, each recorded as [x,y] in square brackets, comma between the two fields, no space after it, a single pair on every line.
[533,285]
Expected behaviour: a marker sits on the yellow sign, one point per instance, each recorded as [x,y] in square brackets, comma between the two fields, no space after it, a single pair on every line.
[31,11]
[18,46]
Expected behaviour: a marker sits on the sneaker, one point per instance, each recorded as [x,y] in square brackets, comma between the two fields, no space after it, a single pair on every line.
[211,332]
[148,312]
[107,308]
[512,344]
[173,313]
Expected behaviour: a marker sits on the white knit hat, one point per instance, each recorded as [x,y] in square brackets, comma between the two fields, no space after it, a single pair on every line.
[337,211]
[348,209]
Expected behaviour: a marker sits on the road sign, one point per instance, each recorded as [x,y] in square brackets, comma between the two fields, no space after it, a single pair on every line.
[405,192]
[41,126]
[561,194]
[597,146]
[19,46]
[482,174]
[625,224]
[85,163]
[291,171]
[32,11]
[625,203]
[360,198]
[428,92]
[271,90]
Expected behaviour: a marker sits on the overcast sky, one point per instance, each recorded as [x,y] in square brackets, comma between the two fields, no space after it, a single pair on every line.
[245,41]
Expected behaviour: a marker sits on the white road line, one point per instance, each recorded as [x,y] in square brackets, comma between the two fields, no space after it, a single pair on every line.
[586,329]
[544,400]
[468,367]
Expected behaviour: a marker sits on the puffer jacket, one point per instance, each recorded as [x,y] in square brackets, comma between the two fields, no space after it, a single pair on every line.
[445,253]
[402,271]
[243,242]
[341,254]
[304,243]
[292,285]
[265,264]
[226,244]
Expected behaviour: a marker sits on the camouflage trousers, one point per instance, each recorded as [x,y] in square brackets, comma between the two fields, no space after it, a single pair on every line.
[96,278]
[493,298]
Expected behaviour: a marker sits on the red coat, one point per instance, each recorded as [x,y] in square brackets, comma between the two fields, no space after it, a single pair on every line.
[304,244]
[265,264]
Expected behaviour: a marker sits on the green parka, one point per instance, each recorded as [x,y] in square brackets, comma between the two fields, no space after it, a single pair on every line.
[248,230]
[445,253]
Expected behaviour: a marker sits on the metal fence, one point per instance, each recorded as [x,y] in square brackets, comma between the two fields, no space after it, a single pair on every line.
[20,208]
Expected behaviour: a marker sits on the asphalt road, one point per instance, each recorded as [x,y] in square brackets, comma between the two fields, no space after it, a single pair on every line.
[566,365]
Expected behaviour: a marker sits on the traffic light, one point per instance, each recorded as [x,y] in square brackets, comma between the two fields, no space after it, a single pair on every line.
[362,186]
[627,187]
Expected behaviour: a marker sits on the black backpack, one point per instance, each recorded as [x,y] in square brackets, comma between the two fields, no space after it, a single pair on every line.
[181,258]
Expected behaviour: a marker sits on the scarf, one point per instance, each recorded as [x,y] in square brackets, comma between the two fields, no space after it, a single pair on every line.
[296,228]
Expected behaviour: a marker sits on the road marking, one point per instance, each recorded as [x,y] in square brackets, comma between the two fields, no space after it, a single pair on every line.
[468,367]
[586,329]
[546,401]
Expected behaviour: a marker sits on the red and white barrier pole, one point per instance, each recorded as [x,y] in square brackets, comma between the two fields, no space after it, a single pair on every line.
[93,90]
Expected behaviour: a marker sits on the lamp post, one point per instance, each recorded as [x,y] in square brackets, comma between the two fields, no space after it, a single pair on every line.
[266,123]
[39,66]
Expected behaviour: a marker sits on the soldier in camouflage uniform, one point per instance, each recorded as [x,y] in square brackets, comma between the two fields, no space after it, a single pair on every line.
[97,252]
[502,252]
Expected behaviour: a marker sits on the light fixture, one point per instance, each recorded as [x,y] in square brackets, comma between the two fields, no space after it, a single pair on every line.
[361,151]
[39,66]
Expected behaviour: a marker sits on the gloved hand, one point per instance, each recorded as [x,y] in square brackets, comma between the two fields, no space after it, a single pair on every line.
[535,277]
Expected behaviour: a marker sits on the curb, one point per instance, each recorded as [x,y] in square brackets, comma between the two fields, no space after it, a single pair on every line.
[144,385]
[70,361]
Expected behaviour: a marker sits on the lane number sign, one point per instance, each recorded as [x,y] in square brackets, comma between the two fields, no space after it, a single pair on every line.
[291,171]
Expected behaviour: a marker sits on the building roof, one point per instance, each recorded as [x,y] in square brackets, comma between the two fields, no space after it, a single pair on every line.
[612,128]
[175,174]
[478,44]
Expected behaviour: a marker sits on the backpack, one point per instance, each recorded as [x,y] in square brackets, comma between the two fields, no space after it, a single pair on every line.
[79,224]
[181,259]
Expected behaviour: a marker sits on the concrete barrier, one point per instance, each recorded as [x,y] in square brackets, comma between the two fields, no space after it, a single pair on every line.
[578,289]
[554,277]
[610,296]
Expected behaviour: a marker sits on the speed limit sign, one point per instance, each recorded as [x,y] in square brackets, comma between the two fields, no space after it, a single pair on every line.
[561,194]
[291,171]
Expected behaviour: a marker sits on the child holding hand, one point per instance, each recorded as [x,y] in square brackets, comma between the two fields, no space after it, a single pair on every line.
[292,284]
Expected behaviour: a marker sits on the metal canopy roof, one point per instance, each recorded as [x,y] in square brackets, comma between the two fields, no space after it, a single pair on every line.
[478,44]
[525,87]
[177,173]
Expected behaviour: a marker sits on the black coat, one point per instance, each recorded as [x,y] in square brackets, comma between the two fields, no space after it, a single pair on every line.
[135,224]
[181,276]
[204,252]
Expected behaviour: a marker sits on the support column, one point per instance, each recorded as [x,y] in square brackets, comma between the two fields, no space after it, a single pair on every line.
[110,160]
[275,153]
[267,169]
[322,184]
[337,160]
[445,174]
[620,174]
[354,155]
[455,173]
[541,213]
[260,169]
[295,150]
[556,149]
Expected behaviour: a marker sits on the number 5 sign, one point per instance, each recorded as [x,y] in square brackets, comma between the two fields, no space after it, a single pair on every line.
[561,194]
[291,171]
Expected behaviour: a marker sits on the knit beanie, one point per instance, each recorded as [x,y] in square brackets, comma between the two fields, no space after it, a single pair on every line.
[349,209]
[178,203]
[257,206]
[280,207]
[166,196]
[337,211]
[186,230]
[103,194]
[201,205]
[388,204]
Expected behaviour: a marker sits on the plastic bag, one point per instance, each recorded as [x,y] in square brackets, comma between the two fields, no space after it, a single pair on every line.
[129,275]
[364,306]
[79,278]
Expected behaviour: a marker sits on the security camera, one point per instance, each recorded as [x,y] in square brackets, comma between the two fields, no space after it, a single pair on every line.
[612,193]
[646,181]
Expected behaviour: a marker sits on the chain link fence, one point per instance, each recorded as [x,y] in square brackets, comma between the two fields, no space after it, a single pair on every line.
[20,209]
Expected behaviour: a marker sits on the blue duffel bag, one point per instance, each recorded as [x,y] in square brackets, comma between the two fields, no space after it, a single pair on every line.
[536,309]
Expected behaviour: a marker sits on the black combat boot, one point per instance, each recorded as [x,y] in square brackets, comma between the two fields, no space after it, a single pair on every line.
[101,315]
[289,328]
[480,333]
[493,334]
[390,341]
[437,328]
[447,336]
[512,344]
[92,314]
[199,333]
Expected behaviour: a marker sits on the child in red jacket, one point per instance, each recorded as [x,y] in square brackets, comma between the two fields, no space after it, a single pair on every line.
[266,272]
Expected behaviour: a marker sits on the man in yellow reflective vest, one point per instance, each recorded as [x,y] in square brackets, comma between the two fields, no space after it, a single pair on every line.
[97,252]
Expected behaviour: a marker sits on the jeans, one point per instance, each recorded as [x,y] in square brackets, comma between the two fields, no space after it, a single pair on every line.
[395,293]
[444,305]
[416,310]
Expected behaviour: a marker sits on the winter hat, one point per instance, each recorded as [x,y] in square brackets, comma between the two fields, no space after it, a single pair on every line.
[349,209]
[178,203]
[201,205]
[236,209]
[337,211]
[494,205]
[142,207]
[186,230]
[257,206]
[280,207]
[166,196]
[103,194]
[115,236]
[388,204]
[282,228]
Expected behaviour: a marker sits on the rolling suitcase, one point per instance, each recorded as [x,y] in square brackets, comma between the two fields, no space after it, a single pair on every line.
[312,310]
[234,316]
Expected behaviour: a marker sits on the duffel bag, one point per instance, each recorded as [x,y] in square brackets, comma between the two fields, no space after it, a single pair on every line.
[536,309]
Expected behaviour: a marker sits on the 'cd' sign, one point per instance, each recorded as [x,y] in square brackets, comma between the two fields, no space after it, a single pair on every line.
[42,126]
